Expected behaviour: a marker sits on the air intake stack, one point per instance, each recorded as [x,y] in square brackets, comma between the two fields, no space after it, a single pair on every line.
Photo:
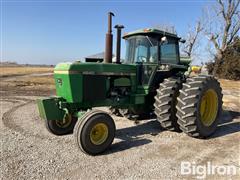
[118,48]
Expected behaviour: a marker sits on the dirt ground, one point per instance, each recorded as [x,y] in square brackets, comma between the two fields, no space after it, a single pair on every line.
[142,151]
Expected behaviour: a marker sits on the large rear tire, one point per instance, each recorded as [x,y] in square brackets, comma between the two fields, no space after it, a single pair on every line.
[165,103]
[199,106]
[94,132]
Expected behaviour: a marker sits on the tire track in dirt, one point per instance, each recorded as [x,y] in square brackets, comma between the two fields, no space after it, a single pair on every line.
[15,100]
[8,119]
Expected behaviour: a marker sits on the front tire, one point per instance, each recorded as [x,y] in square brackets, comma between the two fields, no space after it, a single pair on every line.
[94,132]
[199,106]
[62,127]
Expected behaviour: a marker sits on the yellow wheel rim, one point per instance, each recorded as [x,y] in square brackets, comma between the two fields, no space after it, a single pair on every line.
[65,122]
[99,133]
[209,107]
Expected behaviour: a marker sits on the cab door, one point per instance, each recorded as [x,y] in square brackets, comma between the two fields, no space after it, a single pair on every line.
[146,58]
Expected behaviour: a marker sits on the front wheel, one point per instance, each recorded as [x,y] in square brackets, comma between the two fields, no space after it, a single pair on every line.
[61,127]
[94,132]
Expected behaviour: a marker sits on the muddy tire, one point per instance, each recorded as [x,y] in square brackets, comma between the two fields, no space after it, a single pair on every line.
[58,128]
[165,103]
[94,132]
[199,106]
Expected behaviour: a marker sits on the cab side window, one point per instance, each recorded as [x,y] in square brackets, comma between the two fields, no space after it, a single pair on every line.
[169,53]
[141,53]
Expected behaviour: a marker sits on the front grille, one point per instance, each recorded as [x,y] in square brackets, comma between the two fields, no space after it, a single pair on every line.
[94,88]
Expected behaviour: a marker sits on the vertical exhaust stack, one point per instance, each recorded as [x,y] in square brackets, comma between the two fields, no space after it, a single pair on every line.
[118,48]
[109,40]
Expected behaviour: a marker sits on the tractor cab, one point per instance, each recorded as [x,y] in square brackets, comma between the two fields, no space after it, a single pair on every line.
[155,53]
[151,46]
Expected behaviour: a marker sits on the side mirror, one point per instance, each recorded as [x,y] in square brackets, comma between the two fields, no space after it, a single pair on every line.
[164,40]
[182,40]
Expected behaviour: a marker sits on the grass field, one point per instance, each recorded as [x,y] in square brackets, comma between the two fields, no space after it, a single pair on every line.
[23,70]
[24,78]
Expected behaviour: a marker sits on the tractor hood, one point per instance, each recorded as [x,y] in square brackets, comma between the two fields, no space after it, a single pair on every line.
[95,69]
[88,82]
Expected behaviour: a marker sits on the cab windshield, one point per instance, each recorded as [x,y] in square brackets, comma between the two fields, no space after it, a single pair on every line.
[141,49]
[144,49]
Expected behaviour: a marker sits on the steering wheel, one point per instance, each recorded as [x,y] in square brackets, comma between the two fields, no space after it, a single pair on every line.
[142,58]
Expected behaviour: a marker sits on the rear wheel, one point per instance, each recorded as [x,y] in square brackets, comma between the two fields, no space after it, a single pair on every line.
[199,106]
[165,103]
[94,132]
[61,127]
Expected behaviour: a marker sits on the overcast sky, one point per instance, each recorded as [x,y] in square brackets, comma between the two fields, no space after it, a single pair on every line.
[48,32]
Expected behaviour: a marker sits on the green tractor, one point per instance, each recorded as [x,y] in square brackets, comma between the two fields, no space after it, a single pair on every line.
[151,80]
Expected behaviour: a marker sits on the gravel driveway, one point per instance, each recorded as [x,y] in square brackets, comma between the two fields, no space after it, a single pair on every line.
[142,151]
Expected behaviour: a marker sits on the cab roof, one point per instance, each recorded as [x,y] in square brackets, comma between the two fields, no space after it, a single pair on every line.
[150,31]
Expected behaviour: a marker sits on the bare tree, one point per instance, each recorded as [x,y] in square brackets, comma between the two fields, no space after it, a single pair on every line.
[223,24]
[192,39]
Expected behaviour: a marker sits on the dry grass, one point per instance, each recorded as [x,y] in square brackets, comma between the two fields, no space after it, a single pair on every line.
[47,80]
[16,71]
[231,95]
[31,82]
[230,84]
[11,78]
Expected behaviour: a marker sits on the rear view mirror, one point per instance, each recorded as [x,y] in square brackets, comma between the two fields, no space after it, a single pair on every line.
[182,40]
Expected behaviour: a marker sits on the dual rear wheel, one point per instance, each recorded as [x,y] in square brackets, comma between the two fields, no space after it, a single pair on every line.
[165,103]
[193,107]
[199,106]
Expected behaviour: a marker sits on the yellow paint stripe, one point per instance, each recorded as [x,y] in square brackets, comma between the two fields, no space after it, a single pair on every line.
[67,72]
[93,73]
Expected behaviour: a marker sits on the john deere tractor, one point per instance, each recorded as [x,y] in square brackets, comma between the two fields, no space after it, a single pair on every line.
[151,80]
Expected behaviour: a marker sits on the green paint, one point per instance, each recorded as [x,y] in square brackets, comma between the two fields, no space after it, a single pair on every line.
[90,68]
[142,90]
[69,78]
[122,82]
[185,61]
[69,86]
[49,108]
[138,99]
